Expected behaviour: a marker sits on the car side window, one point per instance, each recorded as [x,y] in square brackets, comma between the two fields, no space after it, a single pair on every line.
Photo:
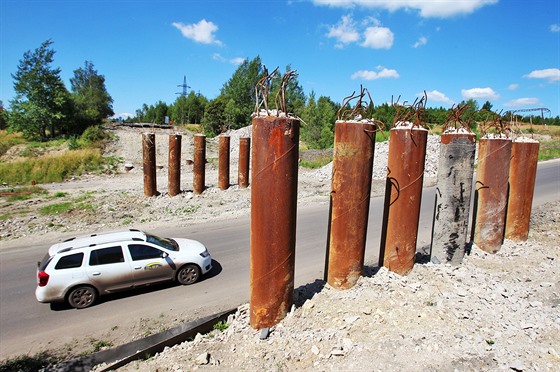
[106,256]
[69,262]
[143,252]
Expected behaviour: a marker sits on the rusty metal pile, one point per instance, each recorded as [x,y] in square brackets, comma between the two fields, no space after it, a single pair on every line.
[504,184]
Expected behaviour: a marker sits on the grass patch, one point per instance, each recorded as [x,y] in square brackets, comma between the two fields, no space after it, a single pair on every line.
[317,162]
[54,168]
[382,136]
[98,345]
[58,208]
[549,150]
[29,363]
[7,140]
[22,193]
[221,326]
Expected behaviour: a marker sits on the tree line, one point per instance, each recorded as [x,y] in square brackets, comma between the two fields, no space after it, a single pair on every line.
[43,107]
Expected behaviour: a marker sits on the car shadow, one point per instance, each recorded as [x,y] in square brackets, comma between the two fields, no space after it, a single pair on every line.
[215,271]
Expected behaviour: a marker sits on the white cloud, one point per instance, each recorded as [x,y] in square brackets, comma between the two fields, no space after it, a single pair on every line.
[436,96]
[522,102]
[378,38]
[383,73]
[422,41]
[513,86]
[344,32]
[555,28]
[123,115]
[201,32]
[234,61]
[550,74]
[426,8]
[480,93]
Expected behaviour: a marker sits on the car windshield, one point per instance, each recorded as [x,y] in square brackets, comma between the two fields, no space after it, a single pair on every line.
[166,243]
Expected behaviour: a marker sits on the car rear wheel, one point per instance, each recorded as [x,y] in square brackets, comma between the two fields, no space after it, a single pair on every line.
[82,297]
[188,274]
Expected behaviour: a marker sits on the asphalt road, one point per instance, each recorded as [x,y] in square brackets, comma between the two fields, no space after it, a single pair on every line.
[27,326]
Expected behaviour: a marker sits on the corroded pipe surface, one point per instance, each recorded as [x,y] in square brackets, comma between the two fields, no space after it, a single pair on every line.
[223,162]
[149,163]
[199,166]
[403,195]
[274,176]
[354,145]
[244,156]
[491,192]
[522,174]
[453,197]
[174,175]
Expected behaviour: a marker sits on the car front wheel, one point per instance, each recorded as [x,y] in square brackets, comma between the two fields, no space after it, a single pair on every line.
[82,297]
[188,274]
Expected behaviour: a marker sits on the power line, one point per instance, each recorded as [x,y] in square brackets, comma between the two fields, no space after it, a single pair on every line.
[184,86]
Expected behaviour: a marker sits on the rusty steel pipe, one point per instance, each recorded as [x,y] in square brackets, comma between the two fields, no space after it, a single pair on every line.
[522,174]
[199,166]
[244,158]
[223,162]
[274,176]
[403,195]
[149,163]
[491,192]
[453,197]
[354,146]
[174,175]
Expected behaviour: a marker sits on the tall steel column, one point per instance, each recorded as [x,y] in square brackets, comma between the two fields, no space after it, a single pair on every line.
[354,146]
[522,174]
[274,177]
[491,192]
[223,162]
[403,195]
[199,166]
[174,175]
[149,163]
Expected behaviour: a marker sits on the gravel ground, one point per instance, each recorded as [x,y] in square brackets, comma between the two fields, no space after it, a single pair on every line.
[116,200]
[492,312]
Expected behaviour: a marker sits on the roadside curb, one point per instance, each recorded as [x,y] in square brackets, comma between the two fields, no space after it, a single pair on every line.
[123,354]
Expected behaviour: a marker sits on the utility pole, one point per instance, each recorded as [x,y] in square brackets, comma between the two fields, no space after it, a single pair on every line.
[183,94]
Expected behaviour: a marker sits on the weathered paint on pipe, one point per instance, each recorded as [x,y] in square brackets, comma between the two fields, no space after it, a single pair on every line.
[174,175]
[491,192]
[403,195]
[453,197]
[244,159]
[522,174]
[199,166]
[223,162]
[149,163]
[354,146]
[274,176]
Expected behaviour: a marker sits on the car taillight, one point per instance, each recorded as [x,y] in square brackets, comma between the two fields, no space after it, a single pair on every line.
[43,278]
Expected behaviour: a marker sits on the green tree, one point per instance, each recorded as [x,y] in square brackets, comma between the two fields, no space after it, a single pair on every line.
[241,88]
[215,118]
[42,106]
[295,97]
[2,116]
[319,117]
[91,99]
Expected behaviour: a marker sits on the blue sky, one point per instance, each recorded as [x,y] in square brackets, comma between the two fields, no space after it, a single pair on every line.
[503,51]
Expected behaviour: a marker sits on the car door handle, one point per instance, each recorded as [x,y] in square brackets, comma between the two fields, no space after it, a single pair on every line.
[96,273]
[137,267]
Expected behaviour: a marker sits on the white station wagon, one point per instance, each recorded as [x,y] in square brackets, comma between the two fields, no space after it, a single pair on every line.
[80,269]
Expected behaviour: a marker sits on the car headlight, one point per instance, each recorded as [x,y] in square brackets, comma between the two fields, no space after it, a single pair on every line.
[205,254]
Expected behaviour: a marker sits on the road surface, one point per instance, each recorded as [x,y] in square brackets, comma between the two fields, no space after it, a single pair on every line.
[27,326]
